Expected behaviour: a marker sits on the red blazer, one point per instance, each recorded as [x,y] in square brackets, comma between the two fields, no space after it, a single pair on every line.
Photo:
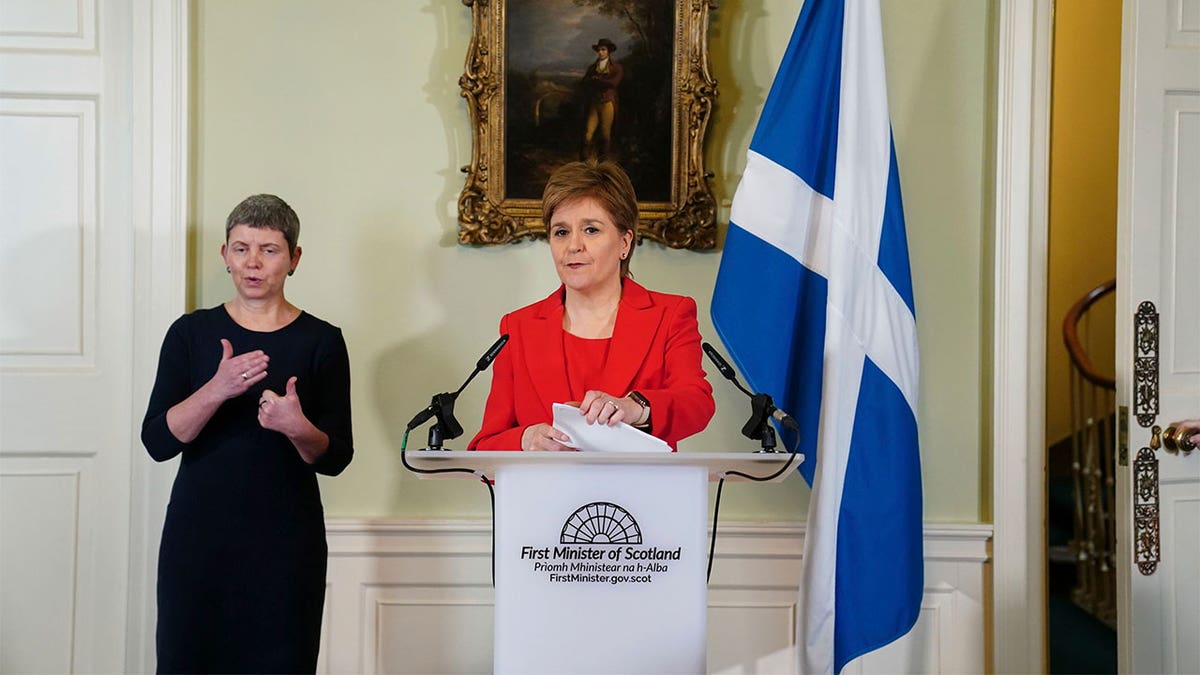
[655,350]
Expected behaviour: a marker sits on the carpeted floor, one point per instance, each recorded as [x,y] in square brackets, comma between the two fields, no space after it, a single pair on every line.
[1079,642]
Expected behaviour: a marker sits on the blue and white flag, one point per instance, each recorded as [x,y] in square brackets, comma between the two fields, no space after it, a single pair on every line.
[814,302]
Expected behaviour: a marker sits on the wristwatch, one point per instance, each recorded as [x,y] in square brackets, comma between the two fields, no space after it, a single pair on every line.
[644,420]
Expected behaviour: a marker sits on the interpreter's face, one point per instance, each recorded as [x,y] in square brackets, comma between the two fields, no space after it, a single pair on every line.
[587,245]
[258,261]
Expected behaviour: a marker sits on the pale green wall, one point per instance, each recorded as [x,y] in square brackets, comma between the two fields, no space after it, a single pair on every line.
[351,112]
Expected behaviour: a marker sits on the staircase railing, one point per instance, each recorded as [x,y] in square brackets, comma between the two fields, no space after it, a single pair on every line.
[1093,414]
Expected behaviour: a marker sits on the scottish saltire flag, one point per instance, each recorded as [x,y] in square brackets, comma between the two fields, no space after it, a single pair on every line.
[814,302]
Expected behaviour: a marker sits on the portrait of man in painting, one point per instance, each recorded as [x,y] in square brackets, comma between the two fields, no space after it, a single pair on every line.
[588,78]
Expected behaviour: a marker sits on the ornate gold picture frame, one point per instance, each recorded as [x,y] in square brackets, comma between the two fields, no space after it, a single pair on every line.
[551,81]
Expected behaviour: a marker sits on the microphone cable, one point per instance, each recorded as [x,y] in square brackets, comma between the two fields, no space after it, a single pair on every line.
[442,406]
[786,420]
[482,478]
[712,547]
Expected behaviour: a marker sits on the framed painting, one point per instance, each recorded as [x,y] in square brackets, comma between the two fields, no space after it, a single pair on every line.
[552,81]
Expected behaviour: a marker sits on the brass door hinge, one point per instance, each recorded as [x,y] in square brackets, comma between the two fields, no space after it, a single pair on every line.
[1123,435]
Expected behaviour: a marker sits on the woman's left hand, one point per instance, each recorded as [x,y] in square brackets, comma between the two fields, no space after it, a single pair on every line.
[282,413]
[598,406]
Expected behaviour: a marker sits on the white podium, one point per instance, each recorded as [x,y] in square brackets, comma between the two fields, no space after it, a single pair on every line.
[601,558]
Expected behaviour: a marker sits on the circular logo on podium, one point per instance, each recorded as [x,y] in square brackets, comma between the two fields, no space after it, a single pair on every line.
[600,523]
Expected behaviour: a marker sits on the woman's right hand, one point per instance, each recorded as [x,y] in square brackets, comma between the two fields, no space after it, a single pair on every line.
[544,437]
[236,374]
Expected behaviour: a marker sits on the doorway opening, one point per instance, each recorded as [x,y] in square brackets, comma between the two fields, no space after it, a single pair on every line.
[1080,339]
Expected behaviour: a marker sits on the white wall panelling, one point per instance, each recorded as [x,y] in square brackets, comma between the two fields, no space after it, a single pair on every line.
[416,597]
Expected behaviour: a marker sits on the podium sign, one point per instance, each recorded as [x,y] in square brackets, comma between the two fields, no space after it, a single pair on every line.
[600,568]
[601,557]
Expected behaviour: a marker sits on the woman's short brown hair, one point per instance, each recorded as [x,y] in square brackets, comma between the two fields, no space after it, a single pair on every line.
[605,182]
[266,212]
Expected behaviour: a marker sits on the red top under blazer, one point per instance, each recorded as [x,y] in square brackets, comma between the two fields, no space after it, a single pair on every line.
[655,350]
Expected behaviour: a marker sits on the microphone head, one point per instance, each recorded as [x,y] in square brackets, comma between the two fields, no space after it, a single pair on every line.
[492,353]
[722,365]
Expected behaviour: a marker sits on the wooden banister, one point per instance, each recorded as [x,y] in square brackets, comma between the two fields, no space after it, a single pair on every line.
[1075,349]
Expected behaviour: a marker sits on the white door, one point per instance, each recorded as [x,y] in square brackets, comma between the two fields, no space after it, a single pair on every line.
[66,247]
[1158,495]
[91,244]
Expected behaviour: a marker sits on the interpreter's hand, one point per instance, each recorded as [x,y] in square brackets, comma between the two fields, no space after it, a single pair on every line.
[282,413]
[545,437]
[598,406]
[236,374]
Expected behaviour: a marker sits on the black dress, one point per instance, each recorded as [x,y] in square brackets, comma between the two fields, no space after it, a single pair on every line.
[241,569]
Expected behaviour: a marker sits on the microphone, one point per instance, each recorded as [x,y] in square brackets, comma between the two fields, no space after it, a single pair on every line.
[761,404]
[487,358]
[442,405]
[721,364]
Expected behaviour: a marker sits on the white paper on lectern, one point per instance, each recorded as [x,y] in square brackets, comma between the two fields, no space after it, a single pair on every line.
[600,437]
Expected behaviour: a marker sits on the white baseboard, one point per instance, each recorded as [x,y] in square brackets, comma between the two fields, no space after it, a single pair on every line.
[416,597]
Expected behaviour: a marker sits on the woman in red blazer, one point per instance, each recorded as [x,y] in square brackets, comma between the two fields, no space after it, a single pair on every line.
[626,354]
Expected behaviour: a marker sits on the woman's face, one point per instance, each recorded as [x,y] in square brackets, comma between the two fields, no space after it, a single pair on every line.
[258,261]
[587,245]
[602,52]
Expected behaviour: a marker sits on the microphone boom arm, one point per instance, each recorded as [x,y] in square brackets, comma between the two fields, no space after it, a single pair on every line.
[762,406]
[442,405]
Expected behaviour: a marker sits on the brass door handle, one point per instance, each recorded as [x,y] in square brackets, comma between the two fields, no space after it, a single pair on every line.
[1175,439]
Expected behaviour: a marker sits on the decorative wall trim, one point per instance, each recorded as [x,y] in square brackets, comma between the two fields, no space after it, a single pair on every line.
[1019,330]
[415,596]
[357,538]
[161,46]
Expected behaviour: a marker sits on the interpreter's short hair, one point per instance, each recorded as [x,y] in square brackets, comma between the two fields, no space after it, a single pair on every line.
[605,182]
[266,212]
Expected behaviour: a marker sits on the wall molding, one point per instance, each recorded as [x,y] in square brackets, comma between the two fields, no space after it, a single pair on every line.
[956,542]
[1018,337]
[366,537]
[161,180]
[416,596]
